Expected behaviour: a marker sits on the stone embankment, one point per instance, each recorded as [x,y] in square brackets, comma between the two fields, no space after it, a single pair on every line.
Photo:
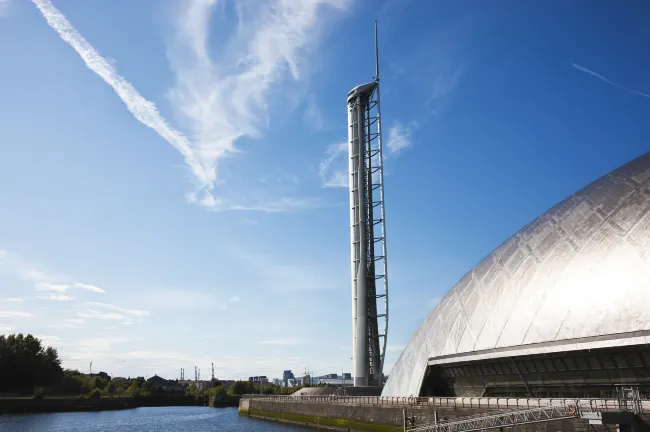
[391,414]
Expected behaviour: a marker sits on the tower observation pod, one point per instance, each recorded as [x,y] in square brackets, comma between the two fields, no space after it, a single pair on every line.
[367,232]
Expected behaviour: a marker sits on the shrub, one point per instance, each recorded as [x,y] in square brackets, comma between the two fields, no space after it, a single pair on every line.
[94,393]
[110,388]
[133,391]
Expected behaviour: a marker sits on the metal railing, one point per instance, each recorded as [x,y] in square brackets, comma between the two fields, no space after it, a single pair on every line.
[459,402]
[503,419]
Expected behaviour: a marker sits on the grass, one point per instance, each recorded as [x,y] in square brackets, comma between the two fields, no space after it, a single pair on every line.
[324,421]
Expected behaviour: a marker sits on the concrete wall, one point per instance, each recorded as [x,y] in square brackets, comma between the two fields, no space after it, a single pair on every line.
[224,401]
[356,417]
[61,404]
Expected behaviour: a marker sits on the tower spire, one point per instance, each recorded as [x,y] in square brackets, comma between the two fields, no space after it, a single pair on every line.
[376,54]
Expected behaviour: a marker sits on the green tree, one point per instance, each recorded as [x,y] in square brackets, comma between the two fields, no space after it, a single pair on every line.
[99,383]
[241,387]
[220,390]
[146,388]
[133,390]
[94,393]
[110,388]
[74,382]
[25,363]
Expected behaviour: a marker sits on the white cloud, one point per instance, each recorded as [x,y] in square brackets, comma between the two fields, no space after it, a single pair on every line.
[69,323]
[608,81]
[91,349]
[45,286]
[219,102]
[133,312]
[15,314]
[4,8]
[313,115]
[49,340]
[88,287]
[43,281]
[443,85]
[226,100]
[334,169]
[13,300]
[234,298]
[142,109]
[56,297]
[399,138]
[59,287]
[111,312]
[282,341]
[4,329]
[110,316]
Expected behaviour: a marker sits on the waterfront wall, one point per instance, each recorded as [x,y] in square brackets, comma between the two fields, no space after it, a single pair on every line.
[373,414]
[223,401]
[62,404]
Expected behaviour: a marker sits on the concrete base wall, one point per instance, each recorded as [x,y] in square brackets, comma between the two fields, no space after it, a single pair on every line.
[385,417]
[62,404]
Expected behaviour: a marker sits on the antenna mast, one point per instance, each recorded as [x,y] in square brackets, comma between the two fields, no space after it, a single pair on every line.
[376,55]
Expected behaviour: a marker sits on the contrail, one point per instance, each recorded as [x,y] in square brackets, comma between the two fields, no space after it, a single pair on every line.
[608,81]
[142,109]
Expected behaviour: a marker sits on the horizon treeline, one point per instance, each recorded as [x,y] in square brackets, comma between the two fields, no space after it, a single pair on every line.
[27,366]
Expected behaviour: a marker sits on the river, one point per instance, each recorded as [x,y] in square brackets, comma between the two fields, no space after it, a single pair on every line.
[161,419]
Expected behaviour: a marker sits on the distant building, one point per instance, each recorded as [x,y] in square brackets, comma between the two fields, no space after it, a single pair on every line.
[102,375]
[336,381]
[291,382]
[259,379]
[199,384]
[277,382]
[286,376]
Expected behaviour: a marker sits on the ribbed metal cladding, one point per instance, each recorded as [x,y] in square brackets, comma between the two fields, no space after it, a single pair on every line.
[577,277]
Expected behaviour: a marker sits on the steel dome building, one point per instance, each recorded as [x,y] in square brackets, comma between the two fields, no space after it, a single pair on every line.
[560,309]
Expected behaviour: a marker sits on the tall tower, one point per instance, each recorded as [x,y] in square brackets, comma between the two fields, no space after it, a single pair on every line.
[367,232]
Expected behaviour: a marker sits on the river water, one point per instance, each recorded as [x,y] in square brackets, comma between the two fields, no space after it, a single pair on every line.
[161,419]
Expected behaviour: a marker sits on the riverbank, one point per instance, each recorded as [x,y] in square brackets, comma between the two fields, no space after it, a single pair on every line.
[158,419]
[68,404]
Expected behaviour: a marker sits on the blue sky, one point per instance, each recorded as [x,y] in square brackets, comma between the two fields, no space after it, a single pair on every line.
[174,186]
